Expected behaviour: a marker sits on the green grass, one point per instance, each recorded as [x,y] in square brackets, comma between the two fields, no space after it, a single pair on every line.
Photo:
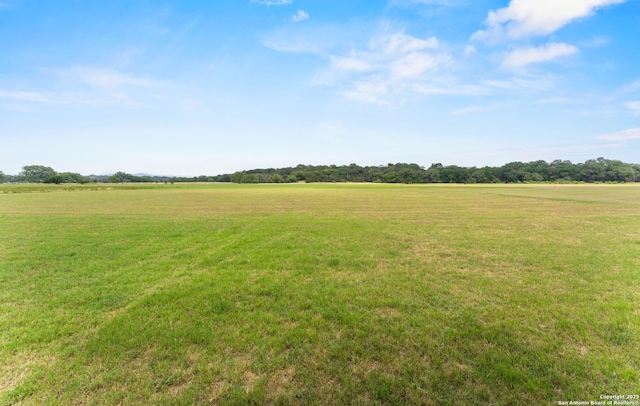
[318,294]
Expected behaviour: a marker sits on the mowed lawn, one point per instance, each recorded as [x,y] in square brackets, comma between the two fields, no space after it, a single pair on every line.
[319,294]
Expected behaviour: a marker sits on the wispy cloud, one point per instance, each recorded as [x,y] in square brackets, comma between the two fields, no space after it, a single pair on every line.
[272,2]
[469,50]
[630,134]
[310,39]
[349,64]
[525,18]
[378,64]
[520,84]
[301,15]
[472,109]
[634,106]
[388,67]
[33,97]
[632,87]
[447,3]
[548,52]
[108,79]
[595,42]
[560,150]
[557,100]
[391,64]
[87,86]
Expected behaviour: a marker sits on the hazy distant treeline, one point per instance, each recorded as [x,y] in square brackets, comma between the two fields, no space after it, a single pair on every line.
[593,170]
[46,174]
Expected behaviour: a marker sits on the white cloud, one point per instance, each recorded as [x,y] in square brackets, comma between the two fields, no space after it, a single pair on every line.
[108,79]
[389,67]
[634,106]
[272,2]
[525,18]
[416,64]
[469,50]
[630,134]
[402,43]
[350,64]
[301,15]
[392,65]
[385,70]
[374,91]
[548,52]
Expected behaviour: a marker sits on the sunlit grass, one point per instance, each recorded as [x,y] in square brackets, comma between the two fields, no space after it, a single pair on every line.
[318,294]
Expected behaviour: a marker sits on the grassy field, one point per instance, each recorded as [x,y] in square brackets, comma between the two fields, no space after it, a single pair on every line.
[319,294]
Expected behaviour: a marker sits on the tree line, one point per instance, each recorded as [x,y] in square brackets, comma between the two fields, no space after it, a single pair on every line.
[593,170]
[46,174]
[43,174]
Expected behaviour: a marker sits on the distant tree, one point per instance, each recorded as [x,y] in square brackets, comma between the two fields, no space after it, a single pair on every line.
[237,177]
[533,177]
[299,175]
[70,177]
[453,174]
[276,178]
[3,177]
[513,172]
[57,179]
[121,177]
[36,173]
[619,172]
[560,170]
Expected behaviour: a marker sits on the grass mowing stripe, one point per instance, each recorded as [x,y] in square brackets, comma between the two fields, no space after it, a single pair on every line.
[319,294]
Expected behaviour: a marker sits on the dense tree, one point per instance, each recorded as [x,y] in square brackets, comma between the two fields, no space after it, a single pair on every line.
[36,173]
[598,170]
[593,170]
[57,179]
[123,177]
[71,177]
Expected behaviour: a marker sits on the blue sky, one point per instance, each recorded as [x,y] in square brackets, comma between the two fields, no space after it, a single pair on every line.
[192,87]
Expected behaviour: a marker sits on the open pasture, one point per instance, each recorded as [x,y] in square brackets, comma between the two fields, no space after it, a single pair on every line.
[319,294]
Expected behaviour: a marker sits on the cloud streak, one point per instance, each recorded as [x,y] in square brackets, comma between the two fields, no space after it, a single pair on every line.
[634,106]
[548,52]
[406,3]
[88,86]
[269,3]
[526,18]
[32,97]
[108,79]
[626,135]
